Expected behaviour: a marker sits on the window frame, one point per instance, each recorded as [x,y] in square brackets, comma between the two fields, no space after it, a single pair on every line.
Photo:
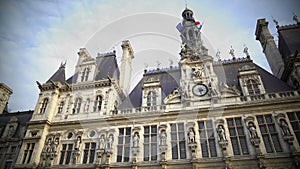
[238,137]
[178,145]
[123,146]
[151,146]
[207,138]
[269,137]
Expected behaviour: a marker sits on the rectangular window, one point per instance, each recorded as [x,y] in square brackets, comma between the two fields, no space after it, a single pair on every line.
[269,133]
[178,141]
[123,147]
[89,153]
[8,165]
[28,152]
[66,153]
[207,139]
[237,136]
[150,143]
[294,118]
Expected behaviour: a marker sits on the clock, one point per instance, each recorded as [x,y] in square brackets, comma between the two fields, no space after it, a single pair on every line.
[200,90]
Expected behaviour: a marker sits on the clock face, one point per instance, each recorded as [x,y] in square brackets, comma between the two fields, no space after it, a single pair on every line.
[200,90]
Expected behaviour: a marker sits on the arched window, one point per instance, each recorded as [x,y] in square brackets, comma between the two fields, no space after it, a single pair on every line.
[252,87]
[98,103]
[44,106]
[85,74]
[191,35]
[87,105]
[151,99]
[60,107]
[77,106]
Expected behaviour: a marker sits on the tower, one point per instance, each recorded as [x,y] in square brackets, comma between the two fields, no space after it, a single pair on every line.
[126,67]
[5,93]
[198,80]
[269,47]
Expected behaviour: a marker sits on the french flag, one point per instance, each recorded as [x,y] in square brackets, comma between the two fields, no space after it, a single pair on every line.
[198,24]
[179,27]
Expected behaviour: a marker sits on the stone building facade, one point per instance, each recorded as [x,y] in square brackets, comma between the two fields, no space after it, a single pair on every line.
[200,114]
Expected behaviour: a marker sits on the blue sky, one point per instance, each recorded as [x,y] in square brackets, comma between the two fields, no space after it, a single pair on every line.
[36,36]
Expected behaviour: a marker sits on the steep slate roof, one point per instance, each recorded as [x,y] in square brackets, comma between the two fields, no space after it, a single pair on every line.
[59,75]
[107,66]
[169,80]
[227,71]
[287,43]
[23,117]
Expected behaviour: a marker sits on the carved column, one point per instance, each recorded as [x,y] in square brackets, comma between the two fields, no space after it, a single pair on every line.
[135,145]
[76,151]
[163,144]
[223,142]
[50,150]
[288,137]
[255,140]
[192,144]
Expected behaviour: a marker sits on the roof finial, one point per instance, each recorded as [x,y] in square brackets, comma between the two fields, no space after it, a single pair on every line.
[231,52]
[158,64]
[275,21]
[295,18]
[185,4]
[171,63]
[246,51]
[218,55]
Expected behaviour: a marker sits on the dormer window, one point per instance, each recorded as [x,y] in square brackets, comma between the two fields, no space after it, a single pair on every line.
[250,81]
[151,98]
[44,106]
[98,103]
[85,74]
[252,87]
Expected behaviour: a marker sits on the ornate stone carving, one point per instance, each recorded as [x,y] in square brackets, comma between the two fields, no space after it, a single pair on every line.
[163,142]
[50,150]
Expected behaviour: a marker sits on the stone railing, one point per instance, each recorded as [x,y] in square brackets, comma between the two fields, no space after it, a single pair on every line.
[158,108]
[270,96]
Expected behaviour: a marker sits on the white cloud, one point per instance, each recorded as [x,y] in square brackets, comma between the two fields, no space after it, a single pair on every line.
[35,36]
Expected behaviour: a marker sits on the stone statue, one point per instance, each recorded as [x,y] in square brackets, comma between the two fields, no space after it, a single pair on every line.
[102,142]
[78,143]
[110,141]
[191,136]
[221,133]
[252,130]
[10,131]
[285,128]
[198,72]
[136,139]
[163,138]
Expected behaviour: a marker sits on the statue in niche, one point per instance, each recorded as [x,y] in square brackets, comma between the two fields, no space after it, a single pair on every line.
[11,131]
[102,142]
[198,72]
[191,136]
[252,130]
[55,145]
[163,138]
[285,128]
[221,133]
[136,140]
[110,141]
[78,143]
[48,146]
